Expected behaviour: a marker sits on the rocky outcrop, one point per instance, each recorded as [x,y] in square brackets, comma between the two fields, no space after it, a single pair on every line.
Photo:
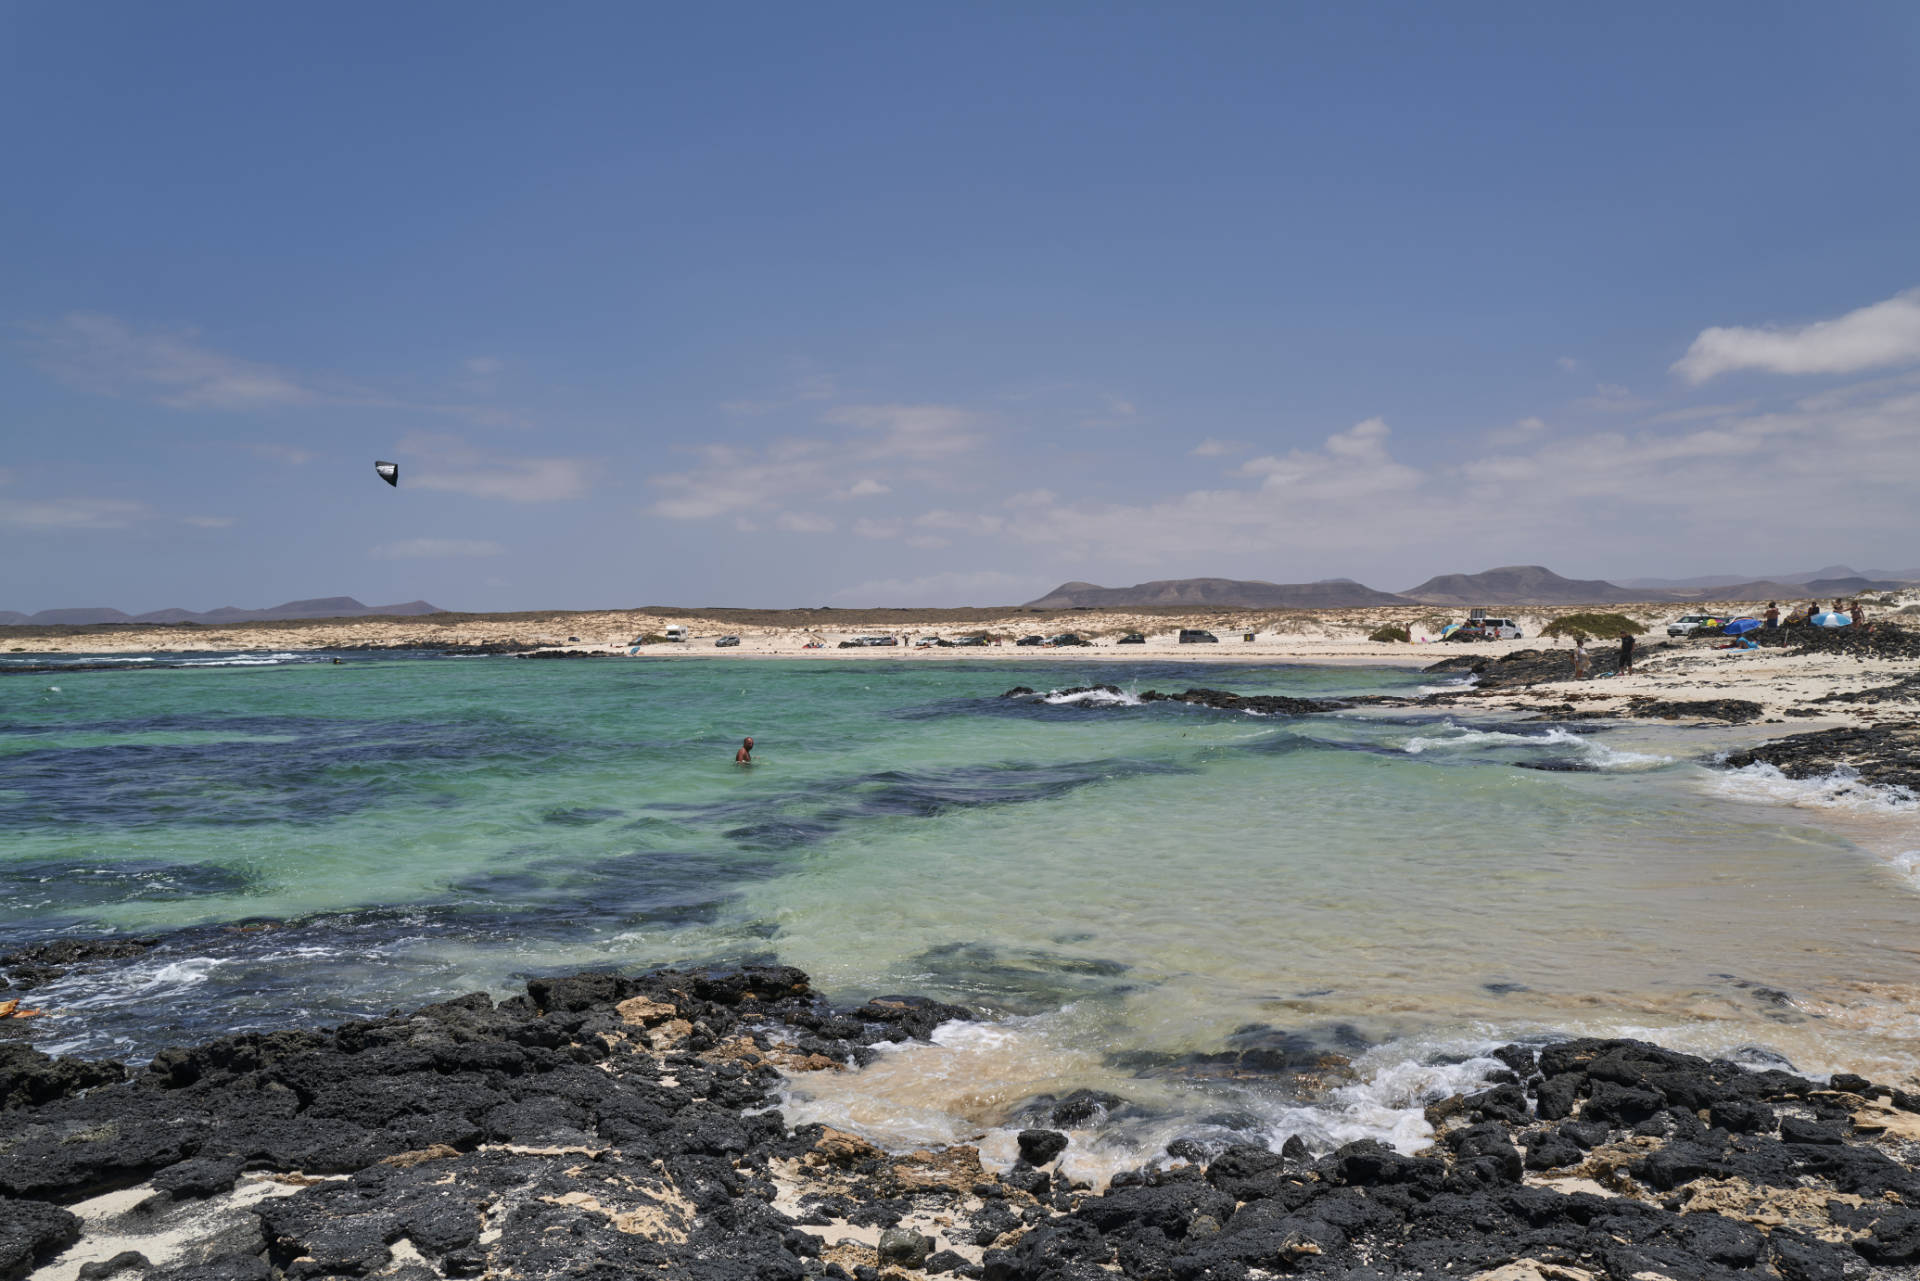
[1218,699]
[1886,754]
[604,1126]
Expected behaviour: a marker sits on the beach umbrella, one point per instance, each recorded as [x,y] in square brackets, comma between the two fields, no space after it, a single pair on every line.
[1740,626]
[1831,619]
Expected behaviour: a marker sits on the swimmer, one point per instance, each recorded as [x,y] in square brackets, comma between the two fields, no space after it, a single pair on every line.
[745,755]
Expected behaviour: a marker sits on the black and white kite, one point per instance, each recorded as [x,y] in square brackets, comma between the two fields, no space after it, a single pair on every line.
[389,472]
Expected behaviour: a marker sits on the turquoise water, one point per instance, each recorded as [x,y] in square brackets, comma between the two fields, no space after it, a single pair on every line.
[1131,892]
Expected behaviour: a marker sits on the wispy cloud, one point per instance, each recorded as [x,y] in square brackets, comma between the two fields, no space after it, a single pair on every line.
[208,522]
[71,513]
[889,440]
[1518,433]
[106,356]
[911,431]
[1212,448]
[1873,337]
[103,354]
[803,523]
[448,464]
[1611,398]
[436,548]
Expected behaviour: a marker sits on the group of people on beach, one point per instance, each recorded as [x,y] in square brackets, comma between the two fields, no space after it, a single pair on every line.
[1853,611]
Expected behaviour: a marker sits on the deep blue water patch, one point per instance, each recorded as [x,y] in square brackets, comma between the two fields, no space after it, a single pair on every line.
[314,770]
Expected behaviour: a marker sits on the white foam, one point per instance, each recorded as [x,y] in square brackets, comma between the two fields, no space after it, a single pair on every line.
[242,660]
[1764,784]
[1597,754]
[1462,737]
[1093,698]
[959,1087]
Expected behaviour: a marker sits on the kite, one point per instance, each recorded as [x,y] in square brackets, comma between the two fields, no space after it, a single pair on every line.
[389,472]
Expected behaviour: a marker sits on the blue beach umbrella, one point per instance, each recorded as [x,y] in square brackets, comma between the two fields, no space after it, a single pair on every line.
[1831,619]
[1740,626]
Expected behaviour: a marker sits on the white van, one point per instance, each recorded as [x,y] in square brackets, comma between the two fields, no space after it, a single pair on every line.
[676,633]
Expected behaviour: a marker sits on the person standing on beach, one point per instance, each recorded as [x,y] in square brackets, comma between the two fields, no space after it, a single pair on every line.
[745,755]
[1773,616]
[1626,654]
[1581,663]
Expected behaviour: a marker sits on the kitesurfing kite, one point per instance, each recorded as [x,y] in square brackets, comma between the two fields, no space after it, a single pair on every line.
[389,472]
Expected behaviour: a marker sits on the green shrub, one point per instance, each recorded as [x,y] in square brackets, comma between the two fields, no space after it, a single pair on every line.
[1590,625]
[1391,632]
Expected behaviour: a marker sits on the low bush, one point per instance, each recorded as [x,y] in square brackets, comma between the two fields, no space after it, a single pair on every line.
[1391,632]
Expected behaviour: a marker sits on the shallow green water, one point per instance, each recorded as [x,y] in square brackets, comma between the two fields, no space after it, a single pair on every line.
[1125,888]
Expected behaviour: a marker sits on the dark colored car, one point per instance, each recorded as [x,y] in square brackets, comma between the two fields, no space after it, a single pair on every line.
[1194,636]
[1066,640]
[1031,640]
[1132,638]
[970,641]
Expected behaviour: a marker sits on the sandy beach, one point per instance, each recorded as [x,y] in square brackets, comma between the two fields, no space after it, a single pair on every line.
[1783,682]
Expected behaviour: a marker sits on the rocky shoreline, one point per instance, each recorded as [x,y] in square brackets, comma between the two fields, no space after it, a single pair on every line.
[606,1126]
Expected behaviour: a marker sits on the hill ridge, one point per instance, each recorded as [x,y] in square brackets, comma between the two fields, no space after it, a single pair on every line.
[316,607]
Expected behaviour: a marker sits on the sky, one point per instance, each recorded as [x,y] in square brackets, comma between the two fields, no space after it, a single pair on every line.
[869,304]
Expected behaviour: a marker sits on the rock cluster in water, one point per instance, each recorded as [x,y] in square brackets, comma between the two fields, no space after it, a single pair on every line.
[1887,754]
[604,1127]
[1219,699]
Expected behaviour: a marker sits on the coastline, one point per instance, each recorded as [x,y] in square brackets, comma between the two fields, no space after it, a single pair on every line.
[486,1153]
[602,1124]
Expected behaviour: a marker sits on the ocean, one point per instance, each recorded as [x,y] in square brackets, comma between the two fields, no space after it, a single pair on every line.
[1231,926]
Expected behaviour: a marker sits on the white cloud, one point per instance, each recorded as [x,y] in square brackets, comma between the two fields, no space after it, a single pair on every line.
[803,523]
[105,355]
[911,431]
[735,479]
[436,548]
[867,527]
[1518,433]
[1873,337]
[980,587]
[208,522]
[960,522]
[70,513]
[448,464]
[1568,364]
[1353,464]
[1212,448]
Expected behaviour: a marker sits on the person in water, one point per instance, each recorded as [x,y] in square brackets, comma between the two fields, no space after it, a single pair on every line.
[745,755]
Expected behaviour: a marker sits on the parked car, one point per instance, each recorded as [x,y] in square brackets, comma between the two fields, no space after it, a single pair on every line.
[1132,638]
[970,642]
[1031,640]
[726,642]
[1066,640]
[1194,636]
[1497,628]
[1688,624]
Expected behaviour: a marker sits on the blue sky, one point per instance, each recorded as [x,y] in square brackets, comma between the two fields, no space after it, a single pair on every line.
[850,304]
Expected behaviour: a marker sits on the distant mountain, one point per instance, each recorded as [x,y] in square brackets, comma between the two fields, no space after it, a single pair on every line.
[323,607]
[1215,593]
[1520,585]
[1872,580]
